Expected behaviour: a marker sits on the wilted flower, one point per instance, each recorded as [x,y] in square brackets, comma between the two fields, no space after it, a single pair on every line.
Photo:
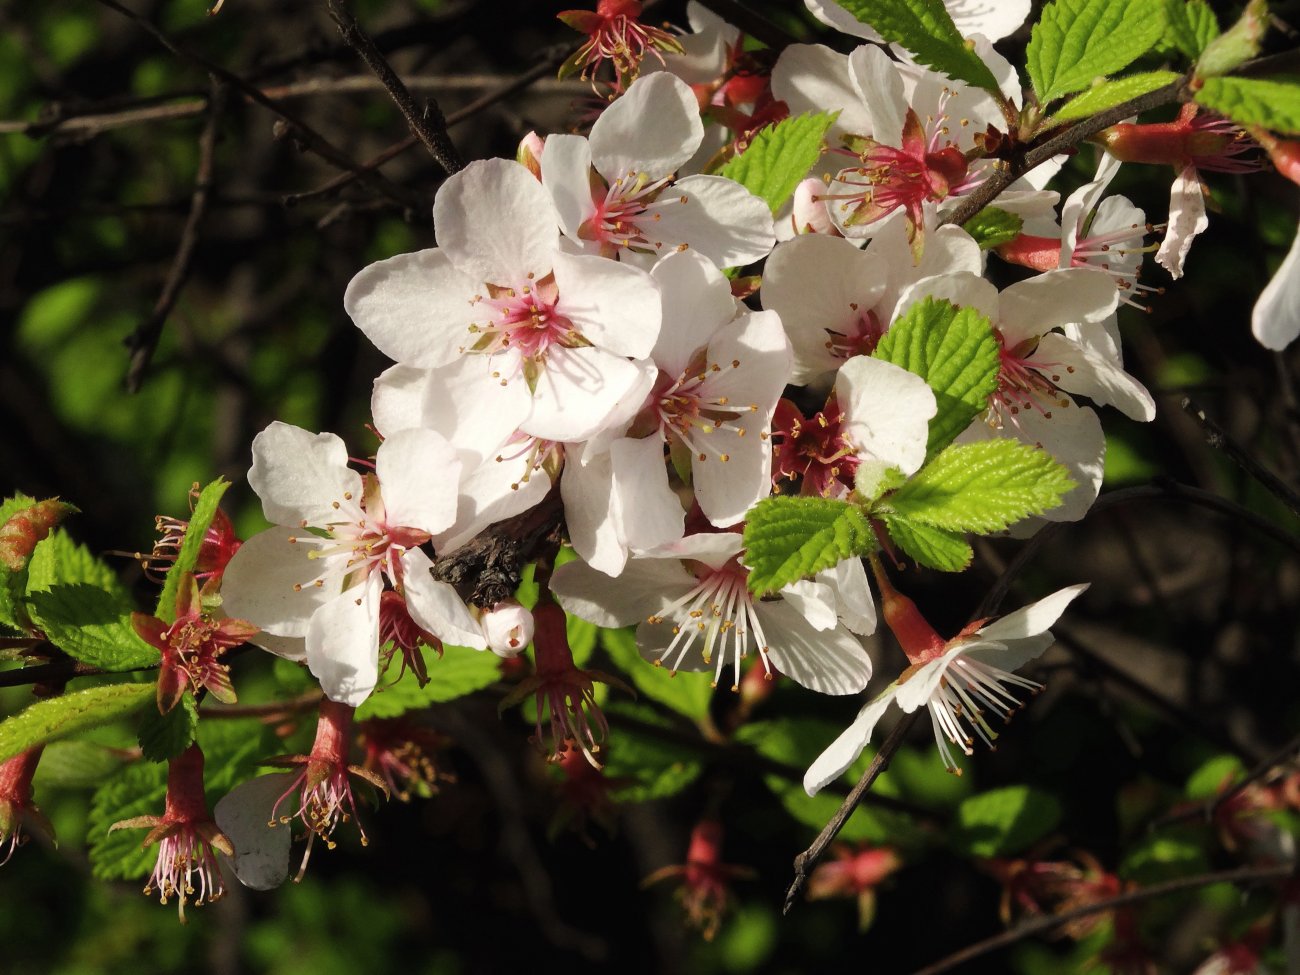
[705,890]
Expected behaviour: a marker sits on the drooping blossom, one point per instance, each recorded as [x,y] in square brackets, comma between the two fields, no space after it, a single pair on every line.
[567,329]
[705,881]
[218,546]
[616,194]
[957,680]
[321,573]
[694,611]
[854,871]
[615,35]
[192,646]
[18,814]
[188,839]
[1032,887]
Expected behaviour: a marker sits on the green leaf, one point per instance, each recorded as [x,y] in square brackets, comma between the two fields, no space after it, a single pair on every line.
[75,765]
[780,156]
[982,487]
[933,548]
[1213,777]
[92,626]
[992,226]
[62,717]
[789,538]
[640,766]
[58,560]
[164,736]
[925,28]
[686,693]
[460,671]
[205,509]
[1108,94]
[1237,44]
[1190,26]
[1004,822]
[955,351]
[1273,104]
[1078,41]
[1164,856]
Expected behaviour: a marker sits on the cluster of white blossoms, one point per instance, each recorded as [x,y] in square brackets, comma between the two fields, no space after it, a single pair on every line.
[610,325]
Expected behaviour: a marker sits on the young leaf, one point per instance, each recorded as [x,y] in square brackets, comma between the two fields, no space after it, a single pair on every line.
[1078,41]
[59,560]
[925,28]
[982,487]
[1005,821]
[1108,94]
[780,156]
[164,736]
[955,351]
[205,509]
[1191,26]
[1237,44]
[460,671]
[787,539]
[1275,105]
[92,626]
[993,226]
[61,717]
[934,548]
[640,766]
[686,694]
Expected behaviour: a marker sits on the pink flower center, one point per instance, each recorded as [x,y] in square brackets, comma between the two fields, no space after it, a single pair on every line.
[1022,386]
[692,410]
[814,450]
[621,217]
[525,320]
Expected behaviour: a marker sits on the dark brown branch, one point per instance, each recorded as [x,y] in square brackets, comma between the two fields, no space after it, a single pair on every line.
[300,130]
[428,125]
[1218,438]
[1073,136]
[144,340]
[1043,925]
[805,861]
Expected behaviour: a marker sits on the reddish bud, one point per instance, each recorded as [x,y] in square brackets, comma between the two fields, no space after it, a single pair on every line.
[21,533]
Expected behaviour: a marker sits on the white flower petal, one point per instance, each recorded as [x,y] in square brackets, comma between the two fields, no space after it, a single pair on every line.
[887,411]
[271,581]
[814,601]
[875,75]
[418,474]
[1084,372]
[652,513]
[1033,619]
[813,78]
[581,389]
[435,606]
[343,643]
[499,488]
[961,288]
[653,129]
[1186,219]
[1039,304]
[591,511]
[715,216]
[615,306]
[566,175]
[696,301]
[1275,320]
[645,587]
[829,662]
[302,476]
[844,750]
[397,402]
[245,816]
[856,606]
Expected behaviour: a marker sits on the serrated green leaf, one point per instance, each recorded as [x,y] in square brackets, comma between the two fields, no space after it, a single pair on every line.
[1076,42]
[993,226]
[164,736]
[1190,26]
[926,29]
[458,672]
[640,766]
[187,557]
[1005,821]
[686,693]
[1266,102]
[75,765]
[955,351]
[1108,94]
[982,487]
[780,156]
[62,717]
[13,584]
[933,548]
[787,539]
[91,625]
[59,560]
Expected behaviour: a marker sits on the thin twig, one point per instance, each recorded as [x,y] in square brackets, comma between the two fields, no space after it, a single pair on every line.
[144,340]
[1209,808]
[805,861]
[1219,438]
[429,125]
[1042,925]
[273,709]
[305,134]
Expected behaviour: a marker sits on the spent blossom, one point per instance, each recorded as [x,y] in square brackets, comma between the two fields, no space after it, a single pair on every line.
[615,35]
[18,814]
[705,881]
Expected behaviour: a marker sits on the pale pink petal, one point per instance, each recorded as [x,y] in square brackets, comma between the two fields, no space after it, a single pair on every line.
[245,815]
[1085,372]
[289,647]
[653,129]
[1186,219]
[496,223]
[343,643]
[948,249]
[418,474]
[615,306]
[813,78]
[1039,304]
[580,389]
[566,174]
[696,301]
[302,476]
[415,308]
[644,588]
[272,581]
[472,408]
[715,216]
[844,750]
[828,662]
[509,629]
[916,690]
[652,515]
[814,601]
[397,401]
[887,411]
[1275,320]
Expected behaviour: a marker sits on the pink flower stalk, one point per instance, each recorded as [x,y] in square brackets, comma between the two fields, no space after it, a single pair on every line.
[856,871]
[191,648]
[402,753]
[220,543]
[705,890]
[565,695]
[323,787]
[16,807]
[615,35]
[188,840]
